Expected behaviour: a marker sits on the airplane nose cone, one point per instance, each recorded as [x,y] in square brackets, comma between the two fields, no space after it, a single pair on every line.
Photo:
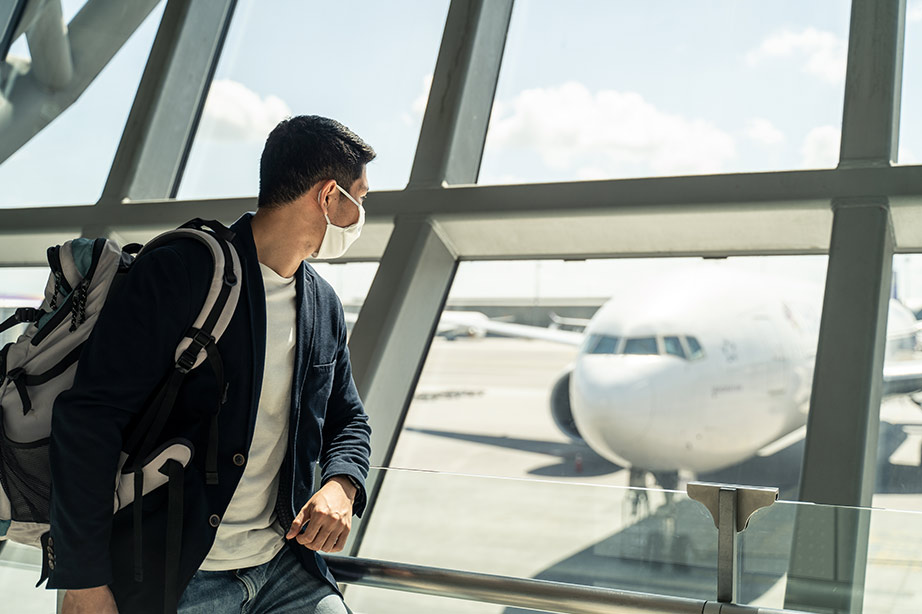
[613,401]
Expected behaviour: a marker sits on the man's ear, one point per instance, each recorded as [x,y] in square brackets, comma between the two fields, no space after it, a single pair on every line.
[323,193]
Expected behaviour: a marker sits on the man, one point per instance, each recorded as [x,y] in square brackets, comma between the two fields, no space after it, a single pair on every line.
[251,541]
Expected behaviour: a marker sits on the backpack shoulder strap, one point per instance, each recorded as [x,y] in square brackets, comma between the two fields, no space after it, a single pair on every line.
[198,344]
[223,292]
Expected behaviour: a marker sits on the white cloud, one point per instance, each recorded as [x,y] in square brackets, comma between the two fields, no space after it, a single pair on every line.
[821,147]
[419,105]
[763,131]
[235,112]
[824,54]
[914,12]
[571,127]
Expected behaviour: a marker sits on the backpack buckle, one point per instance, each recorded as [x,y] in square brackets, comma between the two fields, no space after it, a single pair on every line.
[200,340]
[186,361]
[29,314]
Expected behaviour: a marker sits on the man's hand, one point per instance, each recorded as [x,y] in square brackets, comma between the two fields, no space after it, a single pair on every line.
[327,517]
[97,600]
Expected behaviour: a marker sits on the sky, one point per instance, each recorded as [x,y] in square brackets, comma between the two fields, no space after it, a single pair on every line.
[587,90]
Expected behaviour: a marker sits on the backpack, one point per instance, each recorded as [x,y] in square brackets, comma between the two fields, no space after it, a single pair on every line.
[42,363]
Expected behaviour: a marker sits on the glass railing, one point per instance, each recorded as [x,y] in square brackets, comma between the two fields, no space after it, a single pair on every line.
[20,569]
[650,541]
[792,555]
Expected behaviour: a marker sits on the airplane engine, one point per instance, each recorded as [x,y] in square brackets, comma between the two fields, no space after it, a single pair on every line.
[560,406]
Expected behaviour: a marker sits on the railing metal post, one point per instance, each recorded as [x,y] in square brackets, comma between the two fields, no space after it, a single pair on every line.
[727,547]
[731,507]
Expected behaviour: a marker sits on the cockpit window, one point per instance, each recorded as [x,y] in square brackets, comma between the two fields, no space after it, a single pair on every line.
[687,348]
[641,345]
[601,344]
[674,346]
[694,348]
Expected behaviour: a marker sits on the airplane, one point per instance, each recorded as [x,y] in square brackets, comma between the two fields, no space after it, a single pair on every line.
[699,371]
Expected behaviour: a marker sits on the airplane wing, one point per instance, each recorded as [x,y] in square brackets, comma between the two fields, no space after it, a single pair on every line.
[522,331]
[574,322]
[477,321]
[902,376]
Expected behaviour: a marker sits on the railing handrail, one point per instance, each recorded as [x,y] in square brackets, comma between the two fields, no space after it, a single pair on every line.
[522,592]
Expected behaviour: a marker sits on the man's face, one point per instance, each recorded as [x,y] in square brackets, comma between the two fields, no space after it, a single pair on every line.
[343,212]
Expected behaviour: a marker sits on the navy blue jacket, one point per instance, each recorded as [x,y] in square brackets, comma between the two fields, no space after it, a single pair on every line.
[128,354]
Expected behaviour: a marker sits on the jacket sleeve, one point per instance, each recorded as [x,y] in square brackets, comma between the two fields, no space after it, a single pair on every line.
[346,434]
[126,356]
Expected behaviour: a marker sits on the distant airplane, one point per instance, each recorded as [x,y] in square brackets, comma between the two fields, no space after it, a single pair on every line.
[698,370]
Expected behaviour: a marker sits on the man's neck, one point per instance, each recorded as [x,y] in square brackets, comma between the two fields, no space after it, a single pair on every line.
[282,239]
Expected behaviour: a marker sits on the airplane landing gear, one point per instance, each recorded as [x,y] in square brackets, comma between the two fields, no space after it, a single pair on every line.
[668,480]
[640,503]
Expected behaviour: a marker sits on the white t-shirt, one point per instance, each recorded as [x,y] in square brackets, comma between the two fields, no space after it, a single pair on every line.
[249,533]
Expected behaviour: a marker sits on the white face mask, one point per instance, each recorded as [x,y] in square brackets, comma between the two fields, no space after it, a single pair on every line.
[336,239]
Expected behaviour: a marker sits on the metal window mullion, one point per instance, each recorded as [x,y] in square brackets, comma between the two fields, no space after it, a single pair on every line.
[830,544]
[829,551]
[158,134]
[392,336]
[454,128]
[873,82]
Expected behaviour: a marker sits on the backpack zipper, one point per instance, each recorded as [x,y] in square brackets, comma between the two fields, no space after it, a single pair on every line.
[61,284]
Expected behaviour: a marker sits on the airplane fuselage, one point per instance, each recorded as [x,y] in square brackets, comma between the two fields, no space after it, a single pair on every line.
[696,373]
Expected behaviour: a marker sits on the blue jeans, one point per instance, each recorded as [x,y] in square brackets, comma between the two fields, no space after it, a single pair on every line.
[280,586]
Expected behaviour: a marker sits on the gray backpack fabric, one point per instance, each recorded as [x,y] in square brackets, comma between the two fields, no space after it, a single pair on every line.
[42,363]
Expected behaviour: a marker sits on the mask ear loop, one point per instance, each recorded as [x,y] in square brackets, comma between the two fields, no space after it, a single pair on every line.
[325,214]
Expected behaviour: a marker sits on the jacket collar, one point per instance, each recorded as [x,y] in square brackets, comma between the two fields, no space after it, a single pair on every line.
[256,298]
[256,301]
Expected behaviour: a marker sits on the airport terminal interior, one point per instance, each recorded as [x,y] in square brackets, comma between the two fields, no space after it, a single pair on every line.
[613,250]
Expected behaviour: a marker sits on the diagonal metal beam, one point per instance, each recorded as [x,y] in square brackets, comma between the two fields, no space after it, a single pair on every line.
[49,46]
[454,127]
[829,553]
[873,82]
[155,144]
[392,336]
[34,106]
[11,13]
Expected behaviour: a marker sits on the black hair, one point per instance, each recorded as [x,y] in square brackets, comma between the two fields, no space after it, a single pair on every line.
[302,150]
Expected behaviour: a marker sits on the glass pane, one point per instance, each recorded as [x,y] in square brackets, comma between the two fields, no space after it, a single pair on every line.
[529,407]
[351,282]
[20,569]
[366,64]
[19,287]
[630,539]
[598,90]
[602,344]
[48,170]
[899,471]
[674,346]
[641,346]
[694,348]
[768,549]
[911,119]
[604,536]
